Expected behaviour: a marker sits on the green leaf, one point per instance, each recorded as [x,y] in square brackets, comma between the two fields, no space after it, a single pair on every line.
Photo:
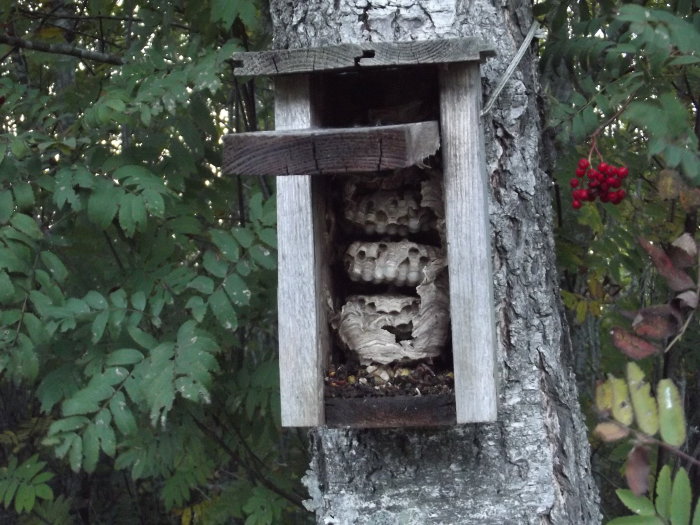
[25,498]
[637,504]
[67,424]
[96,300]
[224,12]
[138,300]
[123,417]
[7,289]
[263,256]
[103,203]
[10,492]
[98,325]
[142,338]
[268,236]
[237,290]
[91,448]
[6,206]
[27,225]
[75,454]
[44,492]
[663,492]
[103,423]
[220,306]
[54,265]
[696,515]
[24,195]
[202,284]
[226,244]
[124,356]
[244,236]
[214,265]
[681,498]
[154,203]
[126,215]
[118,298]
[198,307]
[671,413]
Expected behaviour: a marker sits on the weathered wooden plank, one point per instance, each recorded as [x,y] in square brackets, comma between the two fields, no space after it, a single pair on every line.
[369,54]
[387,412]
[468,244]
[303,333]
[319,151]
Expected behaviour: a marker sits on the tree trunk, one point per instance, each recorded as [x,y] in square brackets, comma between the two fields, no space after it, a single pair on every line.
[532,466]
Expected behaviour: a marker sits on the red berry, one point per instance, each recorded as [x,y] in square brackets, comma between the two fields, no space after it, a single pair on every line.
[622,194]
[576,204]
[611,181]
[604,186]
[622,172]
[583,195]
[573,183]
[616,183]
[604,197]
[580,172]
[594,183]
[599,176]
[592,174]
[583,163]
[603,167]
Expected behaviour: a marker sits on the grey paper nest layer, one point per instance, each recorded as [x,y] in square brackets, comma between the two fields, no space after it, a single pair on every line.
[401,263]
[397,206]
[389,327]
[386,328]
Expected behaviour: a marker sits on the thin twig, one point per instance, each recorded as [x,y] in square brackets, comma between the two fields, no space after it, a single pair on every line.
[650,440]
[62,49]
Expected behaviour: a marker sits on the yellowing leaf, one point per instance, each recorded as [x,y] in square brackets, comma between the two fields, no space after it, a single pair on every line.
[603,396]
[643,403]
[622,406]
[609,431]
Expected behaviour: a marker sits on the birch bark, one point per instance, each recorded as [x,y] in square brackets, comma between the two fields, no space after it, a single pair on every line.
[532,466]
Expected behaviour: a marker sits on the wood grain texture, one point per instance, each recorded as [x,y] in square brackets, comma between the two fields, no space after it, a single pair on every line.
[320,151]
[303,333]
[387,412]
[468,244]
[369,54]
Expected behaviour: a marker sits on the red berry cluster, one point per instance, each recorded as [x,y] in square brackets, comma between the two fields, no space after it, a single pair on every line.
[603,183]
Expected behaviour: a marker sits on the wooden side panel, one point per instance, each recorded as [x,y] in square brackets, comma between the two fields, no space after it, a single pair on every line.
[303,333]
[322,151]
[468,244]
[367,54]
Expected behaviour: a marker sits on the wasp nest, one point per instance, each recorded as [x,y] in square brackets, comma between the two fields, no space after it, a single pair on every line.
[401,263]
[408,201]
[387,328]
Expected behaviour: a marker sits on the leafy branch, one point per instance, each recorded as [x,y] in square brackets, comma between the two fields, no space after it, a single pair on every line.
[59,48]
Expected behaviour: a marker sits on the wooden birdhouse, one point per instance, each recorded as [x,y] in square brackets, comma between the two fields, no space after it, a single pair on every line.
[385,298]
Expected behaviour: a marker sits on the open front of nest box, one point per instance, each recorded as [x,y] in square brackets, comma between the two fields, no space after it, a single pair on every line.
[385,296]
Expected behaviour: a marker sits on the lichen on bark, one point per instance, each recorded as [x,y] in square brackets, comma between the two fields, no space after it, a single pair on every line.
[532,466]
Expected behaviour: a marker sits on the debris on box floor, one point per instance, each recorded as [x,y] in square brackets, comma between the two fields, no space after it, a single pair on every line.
[387,380]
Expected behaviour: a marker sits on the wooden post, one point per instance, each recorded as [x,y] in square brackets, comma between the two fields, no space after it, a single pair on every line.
[468,243]
[303,331]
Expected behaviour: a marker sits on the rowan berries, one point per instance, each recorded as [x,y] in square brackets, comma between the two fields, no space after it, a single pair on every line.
[601,183]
